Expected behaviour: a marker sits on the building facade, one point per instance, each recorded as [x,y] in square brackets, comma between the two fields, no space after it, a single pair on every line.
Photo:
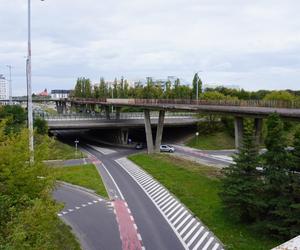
[4,88]
[60,93]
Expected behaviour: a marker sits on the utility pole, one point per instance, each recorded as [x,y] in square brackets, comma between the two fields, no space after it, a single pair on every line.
[29,90]
[10,86]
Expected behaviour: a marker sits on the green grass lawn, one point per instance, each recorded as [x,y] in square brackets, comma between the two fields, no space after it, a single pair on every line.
[62,151]
[215,141]
[197,187]
[83,175]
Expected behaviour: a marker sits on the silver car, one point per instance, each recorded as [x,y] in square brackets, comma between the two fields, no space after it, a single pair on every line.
[167,148]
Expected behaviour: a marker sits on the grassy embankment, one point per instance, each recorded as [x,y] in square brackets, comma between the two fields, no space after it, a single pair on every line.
[197,186]
[84,175]
[214,141]
[62,151]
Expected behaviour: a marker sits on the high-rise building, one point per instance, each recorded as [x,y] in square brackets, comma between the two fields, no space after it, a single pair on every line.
[4,90]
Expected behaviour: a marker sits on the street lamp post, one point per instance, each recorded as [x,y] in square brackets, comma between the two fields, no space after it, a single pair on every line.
[76,142]
[10,86]
[197,136]
[29,90]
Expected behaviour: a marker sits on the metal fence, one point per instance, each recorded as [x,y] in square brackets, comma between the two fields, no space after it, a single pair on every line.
[113,116]
[241,103]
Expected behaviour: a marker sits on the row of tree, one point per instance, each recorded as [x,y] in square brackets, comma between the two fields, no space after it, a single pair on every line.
[176,90]
[121,89]
[264,189]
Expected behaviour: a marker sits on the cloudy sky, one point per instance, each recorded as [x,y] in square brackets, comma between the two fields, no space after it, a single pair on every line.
[254,44]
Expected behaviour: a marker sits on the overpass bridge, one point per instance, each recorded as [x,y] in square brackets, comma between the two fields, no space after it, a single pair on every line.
[125,120]
[122,122]
[239,109]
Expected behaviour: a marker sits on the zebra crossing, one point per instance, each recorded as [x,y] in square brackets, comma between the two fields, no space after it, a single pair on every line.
[190,230]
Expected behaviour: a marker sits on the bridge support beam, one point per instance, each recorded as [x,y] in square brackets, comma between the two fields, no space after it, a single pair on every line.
[148,131]
[159,131]
[118,112]
[238,131]
[258,124]
[124,136]
[107,113]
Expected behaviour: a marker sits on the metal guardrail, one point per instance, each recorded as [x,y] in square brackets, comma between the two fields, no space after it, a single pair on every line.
[241,103]
[123,116]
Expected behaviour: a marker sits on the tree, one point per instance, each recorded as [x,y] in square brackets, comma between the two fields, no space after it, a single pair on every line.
[294,208]
[103,91]
[277,188]
[28,215]
[41,126]
[15,117]
[280,96]
[241,184]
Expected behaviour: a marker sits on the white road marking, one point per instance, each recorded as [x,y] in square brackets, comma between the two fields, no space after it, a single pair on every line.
[208,243]
[148,186]
[169,205]
[64,212]
[161,196]
[187,226]
[163,202]
[169,212]
[139,237]
[179,211]
[201,240]
[191,231]
[216,246]
[180,217]
[184,221]
[90,203]
[156,191]
[83,205]
[104,151]
[95,201]
[191,241]
[162,213]
[113,180]
[153,189]
[170,208]
[77,208]
[59,215]
[162,191]
[71,210]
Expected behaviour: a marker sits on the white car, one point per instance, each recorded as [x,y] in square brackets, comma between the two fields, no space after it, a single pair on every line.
[167,148]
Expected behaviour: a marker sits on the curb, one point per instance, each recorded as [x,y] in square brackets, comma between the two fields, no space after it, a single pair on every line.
[90,191]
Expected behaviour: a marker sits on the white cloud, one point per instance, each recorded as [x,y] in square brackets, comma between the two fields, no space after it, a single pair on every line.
[254,44]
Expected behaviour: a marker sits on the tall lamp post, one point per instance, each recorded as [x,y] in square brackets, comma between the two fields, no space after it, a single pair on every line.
[10,86]
[29,90]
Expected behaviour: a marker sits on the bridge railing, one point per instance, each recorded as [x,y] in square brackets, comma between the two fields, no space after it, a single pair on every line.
[241,103]
[102,116]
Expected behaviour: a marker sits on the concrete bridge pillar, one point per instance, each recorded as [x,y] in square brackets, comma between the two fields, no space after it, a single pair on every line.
[124,136]
[107,113]
[159,131]
[118,112]
[258,124]
[238,131]
[148,131]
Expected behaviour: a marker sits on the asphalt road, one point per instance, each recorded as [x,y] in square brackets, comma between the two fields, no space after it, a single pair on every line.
[155,231]
[152,226]
[91,218]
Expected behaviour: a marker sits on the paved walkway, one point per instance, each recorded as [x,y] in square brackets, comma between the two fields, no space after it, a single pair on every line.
[189,229]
